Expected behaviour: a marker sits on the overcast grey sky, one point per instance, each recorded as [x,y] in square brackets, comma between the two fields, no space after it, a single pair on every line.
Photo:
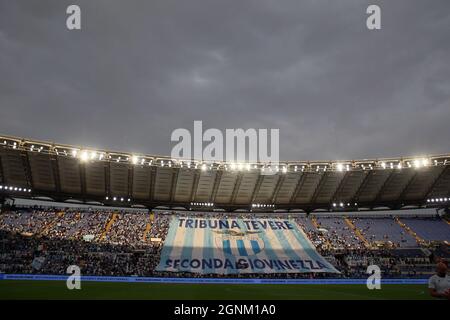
[139,69]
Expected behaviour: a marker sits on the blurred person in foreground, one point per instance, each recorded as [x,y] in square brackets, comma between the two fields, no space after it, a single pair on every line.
[439,284]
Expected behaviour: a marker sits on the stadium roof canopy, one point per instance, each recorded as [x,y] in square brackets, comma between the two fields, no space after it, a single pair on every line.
[36,169]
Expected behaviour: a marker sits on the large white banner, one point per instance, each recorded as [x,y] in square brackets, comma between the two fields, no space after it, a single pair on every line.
[231,246]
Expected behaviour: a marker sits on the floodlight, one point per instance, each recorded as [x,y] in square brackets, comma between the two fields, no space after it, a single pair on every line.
[84,156]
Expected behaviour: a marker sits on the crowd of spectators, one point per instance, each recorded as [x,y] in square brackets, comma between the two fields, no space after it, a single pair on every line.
[128,229]
[119,243]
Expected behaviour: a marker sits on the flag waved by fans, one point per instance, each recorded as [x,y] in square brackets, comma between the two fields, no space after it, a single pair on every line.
[233,246]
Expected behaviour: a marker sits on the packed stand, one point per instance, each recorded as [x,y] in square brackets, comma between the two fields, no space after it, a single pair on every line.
[120,243]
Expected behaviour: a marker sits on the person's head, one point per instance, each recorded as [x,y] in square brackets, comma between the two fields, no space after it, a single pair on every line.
[441,269]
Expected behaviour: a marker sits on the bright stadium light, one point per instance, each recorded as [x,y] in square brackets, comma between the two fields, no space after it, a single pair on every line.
[417,163]
[134,159]
[383,165]
[425,162]
[84,156]
[203,167]
[284,169]
[339,167]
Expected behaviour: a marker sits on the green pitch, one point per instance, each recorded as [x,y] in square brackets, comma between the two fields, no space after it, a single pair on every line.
[107,290]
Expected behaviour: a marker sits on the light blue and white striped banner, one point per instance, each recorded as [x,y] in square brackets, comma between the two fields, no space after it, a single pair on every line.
[233,246]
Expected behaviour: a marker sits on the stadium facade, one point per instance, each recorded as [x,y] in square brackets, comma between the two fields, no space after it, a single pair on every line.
[64,173]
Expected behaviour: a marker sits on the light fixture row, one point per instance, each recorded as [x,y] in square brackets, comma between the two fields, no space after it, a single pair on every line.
[14,189]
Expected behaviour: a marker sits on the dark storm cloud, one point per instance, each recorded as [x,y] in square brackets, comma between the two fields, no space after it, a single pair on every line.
[139,69]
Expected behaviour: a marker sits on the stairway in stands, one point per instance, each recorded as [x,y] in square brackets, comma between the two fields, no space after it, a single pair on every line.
[410,231]
[51,223]
[357,232]
[148,227]
[109,225]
